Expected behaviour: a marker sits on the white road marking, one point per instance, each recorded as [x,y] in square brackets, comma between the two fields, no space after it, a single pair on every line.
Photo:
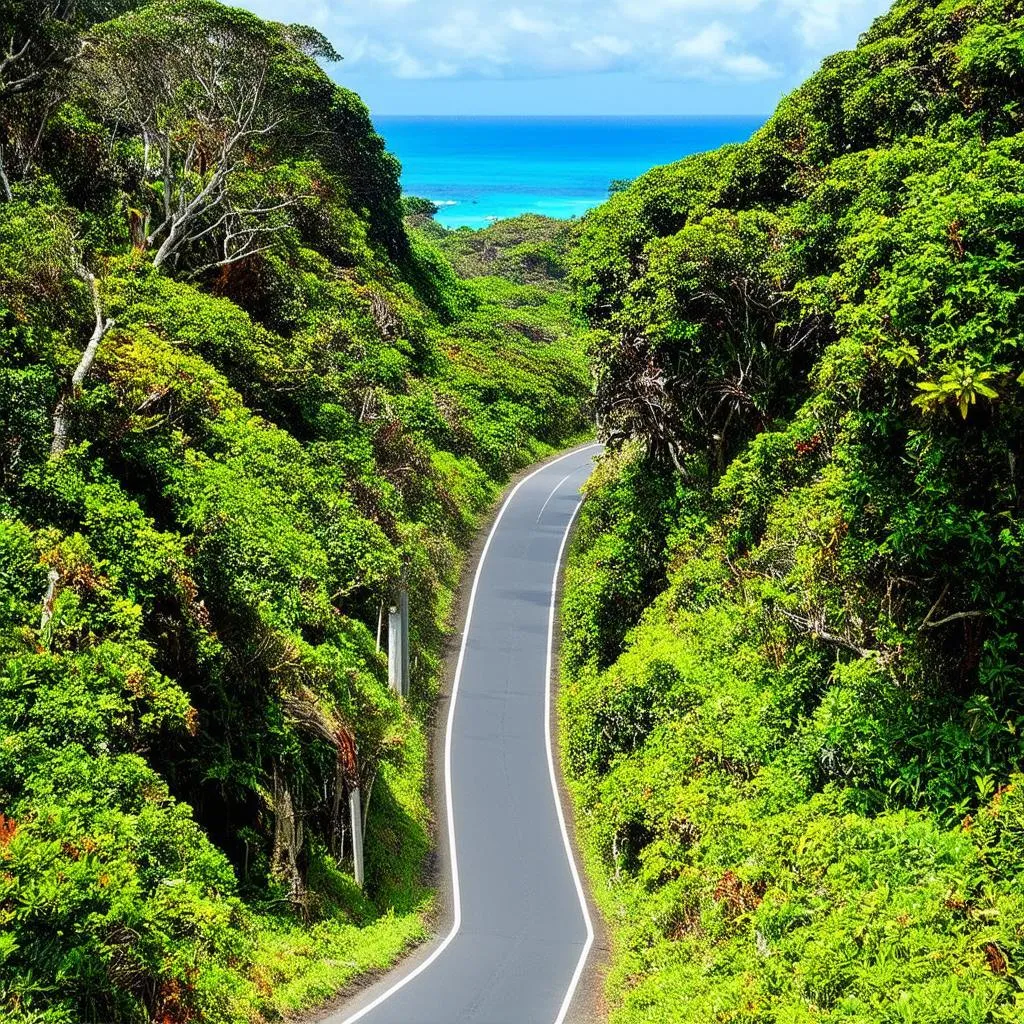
[552,494]
[456,894]
[577,974]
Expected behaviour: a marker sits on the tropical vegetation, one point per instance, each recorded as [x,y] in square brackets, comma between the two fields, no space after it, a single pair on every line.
[240,407]
[793,681]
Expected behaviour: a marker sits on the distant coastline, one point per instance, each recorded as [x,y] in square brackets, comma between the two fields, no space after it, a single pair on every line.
[478,169]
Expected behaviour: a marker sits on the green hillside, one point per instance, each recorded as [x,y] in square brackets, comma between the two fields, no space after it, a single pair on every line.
[239,405]
[529,250]
[794,684]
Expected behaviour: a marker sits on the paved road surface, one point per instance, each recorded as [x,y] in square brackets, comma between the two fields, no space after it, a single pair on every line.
[520,929]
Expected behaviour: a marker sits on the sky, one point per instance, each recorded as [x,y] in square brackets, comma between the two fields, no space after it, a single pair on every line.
[478,57]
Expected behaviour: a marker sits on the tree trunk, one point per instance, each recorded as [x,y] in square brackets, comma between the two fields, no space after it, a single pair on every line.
[167,247]
[287,841]
[5,185]
[52,579]
[61,428]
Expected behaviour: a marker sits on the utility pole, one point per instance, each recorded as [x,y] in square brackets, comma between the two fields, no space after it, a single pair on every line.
[403,607]
[398,644]
[395,649]
[355,813]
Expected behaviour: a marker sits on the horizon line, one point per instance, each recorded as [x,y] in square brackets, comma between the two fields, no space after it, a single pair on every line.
[591,116]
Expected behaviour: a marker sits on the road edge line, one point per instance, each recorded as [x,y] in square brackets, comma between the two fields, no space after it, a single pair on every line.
[569,853]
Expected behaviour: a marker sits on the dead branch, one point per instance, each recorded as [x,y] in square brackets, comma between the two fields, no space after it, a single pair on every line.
[934,608]
[956,617]
[818,632]
[369,796]
[5,185]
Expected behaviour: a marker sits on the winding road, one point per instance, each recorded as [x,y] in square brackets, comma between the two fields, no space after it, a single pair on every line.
[520,931]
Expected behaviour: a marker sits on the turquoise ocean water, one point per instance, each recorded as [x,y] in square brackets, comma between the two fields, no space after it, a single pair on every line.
[482,168]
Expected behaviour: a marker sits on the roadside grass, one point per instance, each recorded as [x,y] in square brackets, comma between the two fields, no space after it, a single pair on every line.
[296,969]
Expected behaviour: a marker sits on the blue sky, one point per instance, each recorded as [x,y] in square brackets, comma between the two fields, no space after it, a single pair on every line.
[577,56]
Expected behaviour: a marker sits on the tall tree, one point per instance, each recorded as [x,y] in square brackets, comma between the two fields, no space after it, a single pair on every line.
[39,42]
[210,104]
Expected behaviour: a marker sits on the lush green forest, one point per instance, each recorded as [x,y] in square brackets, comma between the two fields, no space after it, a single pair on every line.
[248,390]
[240,405]
[793,679]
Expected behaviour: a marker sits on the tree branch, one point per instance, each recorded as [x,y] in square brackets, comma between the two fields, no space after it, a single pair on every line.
[934,608]
[821,634]
[956,616]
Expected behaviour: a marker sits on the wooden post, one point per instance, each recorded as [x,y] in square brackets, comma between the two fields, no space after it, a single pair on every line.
[395,650]
[355,813]
[403,607]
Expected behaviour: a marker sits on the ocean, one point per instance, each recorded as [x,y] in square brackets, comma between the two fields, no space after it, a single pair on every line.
[479,169]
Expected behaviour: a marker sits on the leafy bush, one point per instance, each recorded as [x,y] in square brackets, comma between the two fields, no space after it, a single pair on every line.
[529,249]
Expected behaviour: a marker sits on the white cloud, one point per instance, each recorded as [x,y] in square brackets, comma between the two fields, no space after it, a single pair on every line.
[748,65]
[708,44]
[519,21]
[600,53]
[712,51]
[742,40]
[466,37]
[661,11]
[825,24]
[406,65]
[606,44]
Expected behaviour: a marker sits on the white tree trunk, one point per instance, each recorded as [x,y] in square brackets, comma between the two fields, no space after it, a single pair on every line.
[5,185]
[51,593]
[61,428]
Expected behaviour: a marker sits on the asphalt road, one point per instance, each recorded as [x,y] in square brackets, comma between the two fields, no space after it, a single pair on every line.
[519,931]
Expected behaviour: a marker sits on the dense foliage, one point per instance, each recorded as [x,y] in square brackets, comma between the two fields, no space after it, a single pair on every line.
[529,249]
[239,406]
[794,690]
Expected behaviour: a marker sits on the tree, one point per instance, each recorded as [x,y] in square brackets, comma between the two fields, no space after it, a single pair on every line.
[61,426]
[38,40]
[209,104]
[705,355]
[40,43]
